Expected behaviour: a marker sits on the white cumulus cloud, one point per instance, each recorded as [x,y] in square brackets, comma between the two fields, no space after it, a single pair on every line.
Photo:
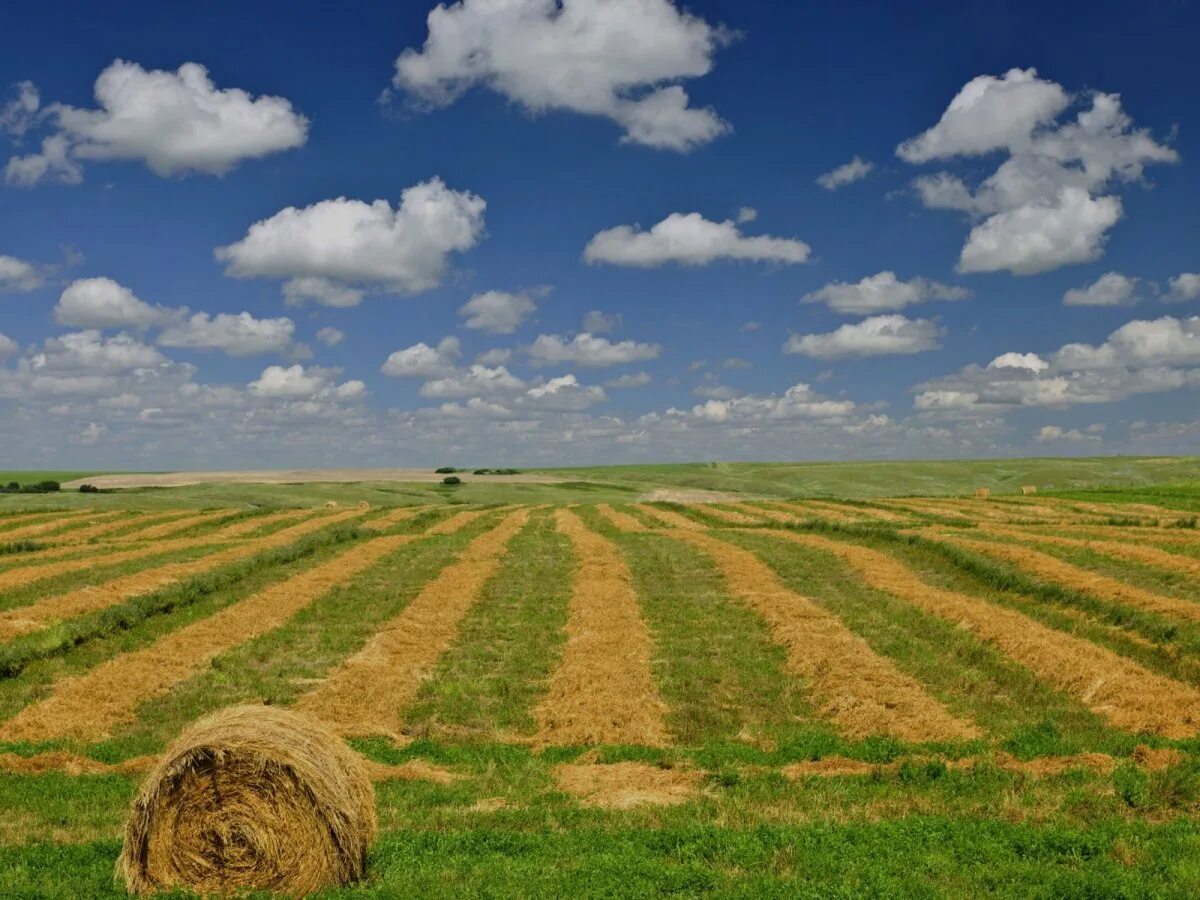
[174,122]
[588,350]
[497,312]
[103,303]
[236,335]
[620,59]
[330,336]
[333,249]
[1050,203]
[1183,287]
[422,361]
[690,240]
[882,292]
[18,276]
[875,336]
[1111,289]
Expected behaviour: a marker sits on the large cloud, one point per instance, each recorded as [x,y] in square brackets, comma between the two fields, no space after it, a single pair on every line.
[614,58]
[1049,203]
[588,350]
[876,336]
[236,335]
[174,122]
[1110,289]
[691,240]
[1142,356]
[103,303]
[331,249]
[882,292]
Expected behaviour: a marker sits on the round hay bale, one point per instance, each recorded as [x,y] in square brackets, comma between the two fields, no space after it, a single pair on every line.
[363,504]
[251,798]
[331,504]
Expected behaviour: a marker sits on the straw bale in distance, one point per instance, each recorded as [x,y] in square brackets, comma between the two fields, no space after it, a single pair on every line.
[862,692]
[251,798]
[1118,689]
[602,691]
[1028,489]
[982,493]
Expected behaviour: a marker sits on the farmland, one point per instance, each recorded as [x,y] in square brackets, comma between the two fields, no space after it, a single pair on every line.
[589,692]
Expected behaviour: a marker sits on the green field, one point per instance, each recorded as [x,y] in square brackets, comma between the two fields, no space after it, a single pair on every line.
[616,484]
[1057,783]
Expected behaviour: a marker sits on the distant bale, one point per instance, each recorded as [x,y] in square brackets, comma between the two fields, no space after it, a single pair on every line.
[251,798]
[1029,489]
[983,493]
[363,504]
[331,504]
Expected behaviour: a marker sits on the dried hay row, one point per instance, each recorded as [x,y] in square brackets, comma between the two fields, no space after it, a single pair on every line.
[1120,510]
[168,529]
[624,785]
[619,520]
[78,536]
[729,514]
[602,690]
[1125,693]
[22,575]
[1052,569]
[862,692]
[39,615]
[456,522]
[808,510]
[867,513]
[1142,534]
[246,526]
[63,762]
[1146,758]
[251,798]
[91,706]
[108,555]
[394,517]
[54,524]
[669,518]
[771,515]
[1137,553]
[7,521]
[365,695]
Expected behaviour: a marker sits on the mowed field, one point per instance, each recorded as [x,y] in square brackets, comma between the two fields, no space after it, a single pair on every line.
[901,697]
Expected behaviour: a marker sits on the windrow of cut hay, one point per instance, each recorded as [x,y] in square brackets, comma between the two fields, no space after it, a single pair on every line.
[16,520]
[174,527]
[1119,690]
[90,706]
[620,520]
[368,692]
[61,521]
[1148,511]
[1130,552]
[728,514]
[36,616]
[668,518]
[243,527]
[770,515]
[602,690]
[456,522]
[861,692]
[107,526]
[1052,569]
[393,517]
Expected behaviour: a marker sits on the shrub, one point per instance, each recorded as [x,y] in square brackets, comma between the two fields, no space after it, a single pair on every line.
[88,489]
[452,479]
[445,470]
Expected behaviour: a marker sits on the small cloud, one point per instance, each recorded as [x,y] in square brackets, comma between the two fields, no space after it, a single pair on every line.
[855,170]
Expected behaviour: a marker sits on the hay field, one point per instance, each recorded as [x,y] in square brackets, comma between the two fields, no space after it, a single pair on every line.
[933,696]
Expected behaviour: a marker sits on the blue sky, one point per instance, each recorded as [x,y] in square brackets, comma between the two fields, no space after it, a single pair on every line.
[265,261]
